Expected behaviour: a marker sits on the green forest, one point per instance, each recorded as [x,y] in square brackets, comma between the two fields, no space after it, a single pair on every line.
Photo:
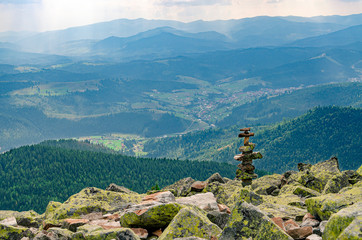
[31,176]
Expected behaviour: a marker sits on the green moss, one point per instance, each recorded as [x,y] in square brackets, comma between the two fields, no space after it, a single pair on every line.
[155,217]
[324,206]
[339,222]
[299,190]
[336,183]
[9,232]
[89,200]
[191,221]
[247,221]
[353,231]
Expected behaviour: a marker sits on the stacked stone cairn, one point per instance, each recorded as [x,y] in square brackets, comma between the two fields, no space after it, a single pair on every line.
[245,171]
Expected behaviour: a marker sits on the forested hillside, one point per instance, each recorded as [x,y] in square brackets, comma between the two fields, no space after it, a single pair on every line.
[321,133]
[31,176]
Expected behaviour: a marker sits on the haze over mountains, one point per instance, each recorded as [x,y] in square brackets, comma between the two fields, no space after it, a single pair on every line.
[154,78]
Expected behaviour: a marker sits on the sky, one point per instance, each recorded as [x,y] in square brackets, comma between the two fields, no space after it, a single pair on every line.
[45,15]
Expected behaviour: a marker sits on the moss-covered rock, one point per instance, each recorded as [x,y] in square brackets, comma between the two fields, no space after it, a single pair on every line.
[324,206]
[267,184]
[284,199]
[87,228]
[359,170]
[298,190]
[180,188]
[120,233]
[89,200]
[158,216]
[339,222]
[336,183]
[222,192]
[325,170]
[191,221]
[61,233]
[353,231]
[247,221]
[283,211]
[14,233]
[26,218]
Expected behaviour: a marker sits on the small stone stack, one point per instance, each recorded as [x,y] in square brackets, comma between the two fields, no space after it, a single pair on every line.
[245,173]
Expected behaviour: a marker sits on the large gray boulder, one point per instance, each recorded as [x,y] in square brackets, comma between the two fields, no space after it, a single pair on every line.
[247,221]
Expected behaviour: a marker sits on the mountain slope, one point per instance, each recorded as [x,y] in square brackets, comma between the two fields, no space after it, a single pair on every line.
[313,137]
[342,37]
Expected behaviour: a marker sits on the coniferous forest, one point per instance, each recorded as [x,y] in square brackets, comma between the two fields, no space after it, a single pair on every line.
[31,176]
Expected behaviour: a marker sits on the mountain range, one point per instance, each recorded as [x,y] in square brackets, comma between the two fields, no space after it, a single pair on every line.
[191,75]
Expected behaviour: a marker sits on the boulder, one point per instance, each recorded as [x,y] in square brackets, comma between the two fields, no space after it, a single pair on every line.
[181,187]
[198,186]
[26,218]
[191,221]
[324,206]
[353,176]
[340,221]
[121,233]
[359,170]
[11,232]
[88,228]
[304,167]
[216,177]
[336,183]
[325,170]
[115,188]
[60,233]
[267,184]
[314,237]
[247,221]
[205,201]
[161,197]
[73,224]
[299,190]
[87,201]
[282,211]
[225,193]
[11,221]
[158,216]
[285,199]
[219,218]
[300,232]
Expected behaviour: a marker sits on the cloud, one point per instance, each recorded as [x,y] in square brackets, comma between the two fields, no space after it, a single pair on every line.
[169,3]
[19,1]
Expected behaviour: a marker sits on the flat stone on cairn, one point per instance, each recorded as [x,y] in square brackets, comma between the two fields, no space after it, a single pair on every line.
[245,171]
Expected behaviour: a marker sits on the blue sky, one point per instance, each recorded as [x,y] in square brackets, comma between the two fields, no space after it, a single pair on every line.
[43,15]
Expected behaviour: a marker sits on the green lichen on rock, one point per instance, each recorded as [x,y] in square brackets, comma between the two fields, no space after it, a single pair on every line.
[339,222]
[191,221]
[267,184]
[26,218]
[87,228]
[247,221]
[11,233]
[158,216]
[325,170]
[224,193]
[353,231]
[61,233]
[120,233]
[324,206]
[284,199]
[283,211]
[336,183]
[359,170]
[181,187]
[298,190]
[89,200]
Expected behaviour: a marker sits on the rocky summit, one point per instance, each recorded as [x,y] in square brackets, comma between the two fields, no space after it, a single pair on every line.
[317,202]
